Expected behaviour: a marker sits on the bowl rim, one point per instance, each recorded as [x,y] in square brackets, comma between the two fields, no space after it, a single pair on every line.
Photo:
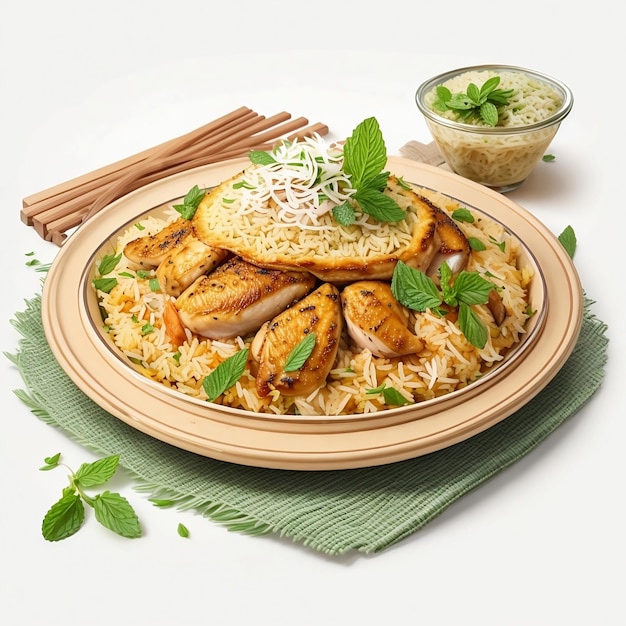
[426,86]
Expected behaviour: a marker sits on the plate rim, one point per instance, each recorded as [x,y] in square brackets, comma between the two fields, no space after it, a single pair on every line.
[288,446]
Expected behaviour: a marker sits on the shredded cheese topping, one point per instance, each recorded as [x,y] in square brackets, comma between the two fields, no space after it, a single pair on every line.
[305,181]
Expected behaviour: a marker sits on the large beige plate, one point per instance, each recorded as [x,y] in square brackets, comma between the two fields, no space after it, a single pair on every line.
[71,323]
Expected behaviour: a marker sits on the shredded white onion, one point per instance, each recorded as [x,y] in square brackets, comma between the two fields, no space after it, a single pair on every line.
[304,183]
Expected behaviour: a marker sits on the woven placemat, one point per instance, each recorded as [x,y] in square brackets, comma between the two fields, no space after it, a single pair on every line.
[333,512]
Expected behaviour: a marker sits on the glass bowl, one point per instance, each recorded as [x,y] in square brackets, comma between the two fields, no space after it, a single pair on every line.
[499,156]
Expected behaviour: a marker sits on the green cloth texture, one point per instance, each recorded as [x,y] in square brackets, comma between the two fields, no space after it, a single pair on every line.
[334,512]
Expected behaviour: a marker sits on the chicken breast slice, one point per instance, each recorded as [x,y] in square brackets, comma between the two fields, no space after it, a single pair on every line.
[376,321]
[454,248]
[150,250]
[185,263]
[319,313]
[238,297]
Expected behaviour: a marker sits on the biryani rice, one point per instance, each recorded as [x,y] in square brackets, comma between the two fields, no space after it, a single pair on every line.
[134,319]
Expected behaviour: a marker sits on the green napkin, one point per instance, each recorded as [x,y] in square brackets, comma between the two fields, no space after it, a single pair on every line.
[334,512]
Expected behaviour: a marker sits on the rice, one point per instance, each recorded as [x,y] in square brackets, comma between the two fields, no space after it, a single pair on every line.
[449,362]
[533,100]
[501,156]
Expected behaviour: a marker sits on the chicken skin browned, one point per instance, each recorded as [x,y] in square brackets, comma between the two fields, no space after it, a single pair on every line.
[319,313]
[238,297]
[376,321]
[187,262]
[149,250]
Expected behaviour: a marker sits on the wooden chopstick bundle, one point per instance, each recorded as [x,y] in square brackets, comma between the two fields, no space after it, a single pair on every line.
[54,211]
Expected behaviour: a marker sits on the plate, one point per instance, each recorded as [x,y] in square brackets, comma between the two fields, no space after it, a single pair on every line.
[70,320]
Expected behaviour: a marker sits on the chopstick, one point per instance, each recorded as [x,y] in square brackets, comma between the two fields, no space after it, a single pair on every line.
[54,211]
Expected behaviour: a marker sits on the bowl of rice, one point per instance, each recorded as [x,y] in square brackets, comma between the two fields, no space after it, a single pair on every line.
[493,123]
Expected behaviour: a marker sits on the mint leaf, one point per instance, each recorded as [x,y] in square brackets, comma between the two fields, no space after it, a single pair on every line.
[364,152]
[472,288]
[413,288]
[258,157]
[108,263]
[378,205]
[463,215]
[98,472]
[472,326]
[393,397]
[64,518]
[115,513]
[225,375]
[190,202]
[489,113]
[568,241]
[476,244]
[51,462]
[104,284]
[344,214]
[298,356]
[164,504]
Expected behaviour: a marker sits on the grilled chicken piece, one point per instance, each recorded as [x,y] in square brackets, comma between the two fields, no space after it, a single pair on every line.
[454,247]
[342,260]
[185,263]
[377,321]
[237,297]
[151,250]
[319,313]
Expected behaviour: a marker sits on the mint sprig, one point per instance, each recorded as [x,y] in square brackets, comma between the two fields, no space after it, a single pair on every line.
[475,103]
[418,292]
[364,158]
[190,202]
[67,515]
[106,265]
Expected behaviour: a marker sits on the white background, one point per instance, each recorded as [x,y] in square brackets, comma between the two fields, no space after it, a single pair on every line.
[84,84]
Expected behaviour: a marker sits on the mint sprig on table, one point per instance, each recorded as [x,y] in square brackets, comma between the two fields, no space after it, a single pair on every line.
[67,515]
[478,103]
[418,292]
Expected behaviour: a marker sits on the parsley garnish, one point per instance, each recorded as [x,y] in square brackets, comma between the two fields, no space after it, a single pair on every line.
[475,103]
[112,510]
[418,292]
